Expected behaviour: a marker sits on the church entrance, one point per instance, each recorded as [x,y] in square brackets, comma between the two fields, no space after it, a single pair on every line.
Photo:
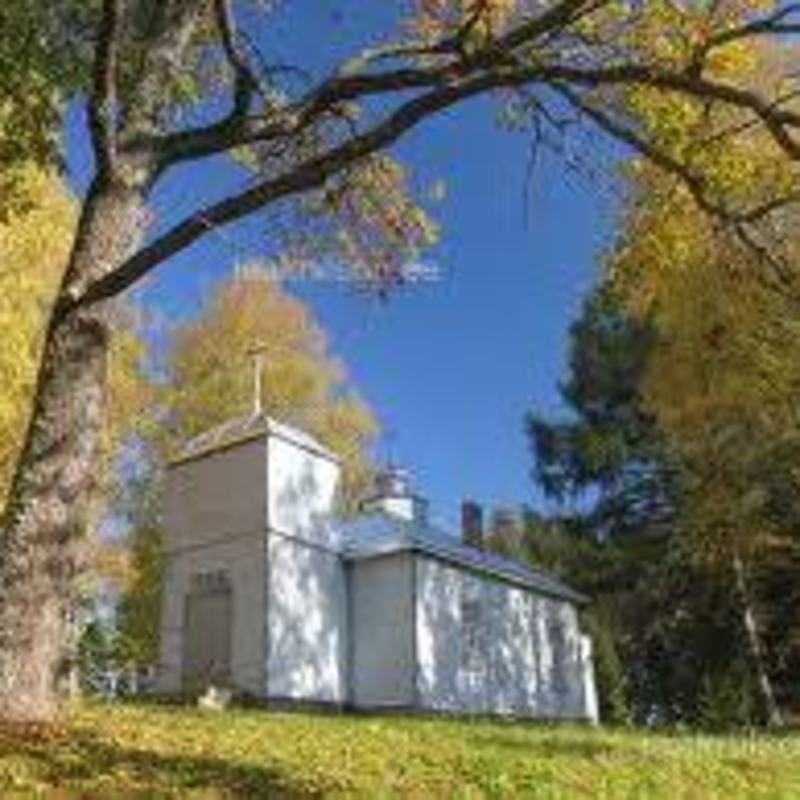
[207,632]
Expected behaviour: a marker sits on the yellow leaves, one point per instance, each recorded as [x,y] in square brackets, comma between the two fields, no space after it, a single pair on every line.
[370,223]
[723,379]
[661,240]
[733,61]
[737,162]
[212,372]
[131,394]
[661,32]
[111,562]
[670,120]
[301,383]
[34,249]
[34,246]
[433,19]
[725,339]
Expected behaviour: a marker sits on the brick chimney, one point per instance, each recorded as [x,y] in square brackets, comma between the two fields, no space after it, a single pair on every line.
[472,524]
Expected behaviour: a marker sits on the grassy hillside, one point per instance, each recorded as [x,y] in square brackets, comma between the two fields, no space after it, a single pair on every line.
[139,751]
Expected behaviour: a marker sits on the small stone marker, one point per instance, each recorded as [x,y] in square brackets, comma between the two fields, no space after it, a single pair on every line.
[215,699]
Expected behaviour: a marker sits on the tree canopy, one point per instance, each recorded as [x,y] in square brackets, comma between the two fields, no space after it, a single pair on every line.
[34,242]
[693,337]
[211,372]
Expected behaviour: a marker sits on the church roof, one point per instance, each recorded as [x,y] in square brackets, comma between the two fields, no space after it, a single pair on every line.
[379,534]
[244,428]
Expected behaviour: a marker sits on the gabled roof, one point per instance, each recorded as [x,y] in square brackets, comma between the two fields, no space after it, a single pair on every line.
[378,534]
[244,428]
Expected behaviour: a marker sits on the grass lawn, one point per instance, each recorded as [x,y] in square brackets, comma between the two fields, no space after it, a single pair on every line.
[126,751]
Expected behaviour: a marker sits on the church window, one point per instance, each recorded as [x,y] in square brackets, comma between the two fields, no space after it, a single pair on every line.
[472,644]
[558,643]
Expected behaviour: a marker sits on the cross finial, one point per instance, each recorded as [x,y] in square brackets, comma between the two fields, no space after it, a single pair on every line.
[256,352]
[389,441]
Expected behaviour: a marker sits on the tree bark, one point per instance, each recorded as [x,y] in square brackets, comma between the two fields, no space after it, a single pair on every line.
[772,712]
[52,496]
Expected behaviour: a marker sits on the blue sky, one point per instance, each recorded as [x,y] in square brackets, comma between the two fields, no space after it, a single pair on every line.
[452,365]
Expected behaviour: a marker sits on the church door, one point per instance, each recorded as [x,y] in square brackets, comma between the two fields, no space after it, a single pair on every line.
[207,632]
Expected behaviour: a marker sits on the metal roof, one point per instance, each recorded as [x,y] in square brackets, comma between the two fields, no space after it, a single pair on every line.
[244,428]
[379,534]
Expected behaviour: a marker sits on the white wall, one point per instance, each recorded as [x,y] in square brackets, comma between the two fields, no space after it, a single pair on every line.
[214,521]
[307,619]
[243,560]
[301,491]
[381,615]
[306,589]
[216,496]
[517,673]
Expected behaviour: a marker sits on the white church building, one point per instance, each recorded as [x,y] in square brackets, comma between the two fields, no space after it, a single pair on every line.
[268,591]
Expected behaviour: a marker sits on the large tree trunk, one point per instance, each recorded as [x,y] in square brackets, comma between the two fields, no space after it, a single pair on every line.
[50,503]
[772,712]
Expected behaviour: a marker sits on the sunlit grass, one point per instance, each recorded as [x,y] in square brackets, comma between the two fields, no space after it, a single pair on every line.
[125,751]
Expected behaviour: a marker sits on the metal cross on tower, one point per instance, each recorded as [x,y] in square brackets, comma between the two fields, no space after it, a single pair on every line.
[256,352]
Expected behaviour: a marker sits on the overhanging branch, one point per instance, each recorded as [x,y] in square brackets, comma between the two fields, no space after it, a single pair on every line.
[738,221]
[245,80]
[308,175]
[439,85]
[348,83]
[102,108]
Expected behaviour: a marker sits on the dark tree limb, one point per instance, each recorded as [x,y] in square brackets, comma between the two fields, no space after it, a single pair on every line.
[102,107]
[773,25]
[217,138]
[349,84]
[308,175]
[245,81]
[778,121]
[439,85]
[737,221]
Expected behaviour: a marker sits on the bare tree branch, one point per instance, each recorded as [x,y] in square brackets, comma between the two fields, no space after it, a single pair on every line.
[245,81]
[495,67]
[696,185]
[308,175]
[102,108]
[765,26]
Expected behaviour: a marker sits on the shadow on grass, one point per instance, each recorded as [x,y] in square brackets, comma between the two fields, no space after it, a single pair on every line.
[84,766]
[543,747]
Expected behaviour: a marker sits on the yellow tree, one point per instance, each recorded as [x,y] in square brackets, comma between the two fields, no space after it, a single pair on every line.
[723,379]
[212,373]
[211,381]
[36,74]
[34,245]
